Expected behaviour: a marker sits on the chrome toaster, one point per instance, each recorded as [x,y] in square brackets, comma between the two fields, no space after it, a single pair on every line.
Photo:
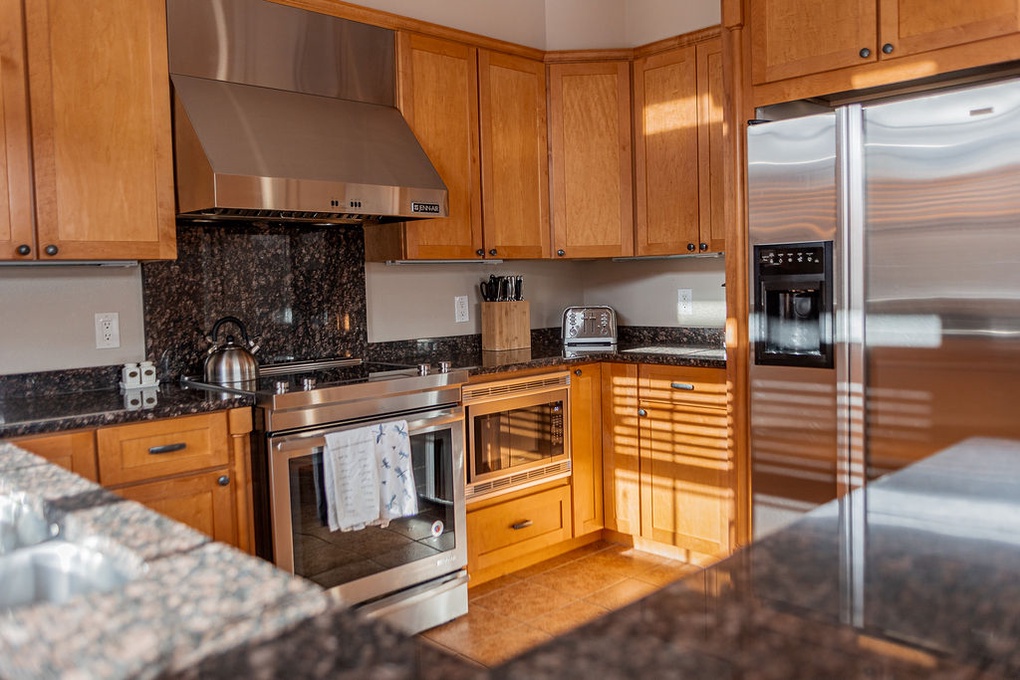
[589,328]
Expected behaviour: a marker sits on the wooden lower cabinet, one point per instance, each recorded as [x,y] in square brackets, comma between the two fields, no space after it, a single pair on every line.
[668,470]
[502,530]
[194,469]
[203,501]
[586,448]
[74,451]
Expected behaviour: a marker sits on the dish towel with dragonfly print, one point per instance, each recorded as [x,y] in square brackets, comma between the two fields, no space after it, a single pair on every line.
[368,476]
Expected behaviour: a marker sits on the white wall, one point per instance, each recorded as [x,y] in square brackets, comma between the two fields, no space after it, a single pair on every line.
[416,301]
[49,312]
[562,24]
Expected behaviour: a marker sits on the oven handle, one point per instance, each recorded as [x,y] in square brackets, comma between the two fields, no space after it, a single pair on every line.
[418,423]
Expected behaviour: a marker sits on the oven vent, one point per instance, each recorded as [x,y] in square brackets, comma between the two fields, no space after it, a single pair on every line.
[519,481]
[496,389]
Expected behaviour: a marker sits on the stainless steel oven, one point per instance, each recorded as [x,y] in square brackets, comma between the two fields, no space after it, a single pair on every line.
[518,433]
[411,570]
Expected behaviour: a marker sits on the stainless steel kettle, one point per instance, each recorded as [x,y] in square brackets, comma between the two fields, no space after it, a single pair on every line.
[230,363]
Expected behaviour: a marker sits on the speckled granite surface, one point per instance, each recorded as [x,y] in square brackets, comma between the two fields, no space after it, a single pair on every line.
[25,415]
[193,599]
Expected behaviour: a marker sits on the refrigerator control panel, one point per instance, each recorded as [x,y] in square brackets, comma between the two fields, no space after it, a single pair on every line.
[791,259]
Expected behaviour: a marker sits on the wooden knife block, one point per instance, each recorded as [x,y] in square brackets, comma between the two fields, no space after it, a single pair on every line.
[506,325]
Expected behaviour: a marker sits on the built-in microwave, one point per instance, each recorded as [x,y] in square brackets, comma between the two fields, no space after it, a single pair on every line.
[518,433]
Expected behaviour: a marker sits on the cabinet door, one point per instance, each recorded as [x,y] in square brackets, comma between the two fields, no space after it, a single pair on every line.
[586,448]
[621,448]
[101,129]
[16,228]
[666,153]
[686,497]
[791,38]
[589,120]
[711,150]
[74,451]
[439,99]
[515,157]
[203,501]
[912,26]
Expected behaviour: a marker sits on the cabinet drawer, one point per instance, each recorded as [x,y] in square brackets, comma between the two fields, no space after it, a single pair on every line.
[671,384]
[141,451]
[501,532]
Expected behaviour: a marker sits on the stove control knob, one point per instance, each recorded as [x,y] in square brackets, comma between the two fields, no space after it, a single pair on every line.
[444,366]
[281,386]
[308,383]
[424,369]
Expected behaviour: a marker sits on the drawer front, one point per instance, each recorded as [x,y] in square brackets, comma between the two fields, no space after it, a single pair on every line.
[74,451]
[671,384]
[141,451]
[501,532]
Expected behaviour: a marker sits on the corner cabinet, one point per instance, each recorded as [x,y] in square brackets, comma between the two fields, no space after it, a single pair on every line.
[84,86]
[794,39]
[668,468]
[480,115]
[678,150]
[590,135]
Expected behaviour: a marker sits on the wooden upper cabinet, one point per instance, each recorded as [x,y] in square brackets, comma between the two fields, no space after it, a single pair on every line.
[515,157]
[100,117]
[791,38]
[794,38]
[678,151]
[16,228]
[439,98]
[914,26]
[590,129]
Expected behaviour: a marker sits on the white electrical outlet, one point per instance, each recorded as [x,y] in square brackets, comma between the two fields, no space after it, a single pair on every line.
[107,330]
[460,309]
[684,302]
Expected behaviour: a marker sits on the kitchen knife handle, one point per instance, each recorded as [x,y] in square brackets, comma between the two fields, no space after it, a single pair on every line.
[682,386]
[521,525]
[168,448]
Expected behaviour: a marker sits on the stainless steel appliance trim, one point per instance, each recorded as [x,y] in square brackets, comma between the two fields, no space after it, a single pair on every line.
[292,367]
[283,448]
[516,482]
[501,388]
[422,607]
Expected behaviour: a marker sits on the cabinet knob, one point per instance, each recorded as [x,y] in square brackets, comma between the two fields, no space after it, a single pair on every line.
[865,53]
[888,48]
[480,253]
[577,372]
[691,247]
[24,249]
[50,249]
[702,247]
[641,412]
[223,480]
[561,252]
[492,251]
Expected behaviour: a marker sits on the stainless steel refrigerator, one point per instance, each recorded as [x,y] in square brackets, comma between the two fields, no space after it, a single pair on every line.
[885,296]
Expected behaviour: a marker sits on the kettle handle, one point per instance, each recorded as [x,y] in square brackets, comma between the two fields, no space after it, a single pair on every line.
[229,319]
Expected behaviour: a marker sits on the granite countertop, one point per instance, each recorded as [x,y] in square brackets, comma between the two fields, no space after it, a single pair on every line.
[925,588]
[41,413]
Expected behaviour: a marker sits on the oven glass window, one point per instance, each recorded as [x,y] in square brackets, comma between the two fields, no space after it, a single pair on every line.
[517,438]
[331,558]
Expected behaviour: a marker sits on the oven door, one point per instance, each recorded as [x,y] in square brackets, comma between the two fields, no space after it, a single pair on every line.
[372,562]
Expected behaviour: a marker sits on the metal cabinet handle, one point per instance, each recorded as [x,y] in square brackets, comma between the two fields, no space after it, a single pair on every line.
[492,251]
[168,448]
[521,525]
[480,252]
[223,480]
[50,249]
[641,412]
[577,372]
[691,247]
[887,48]
[681,386]
[702,247]
[561,252]
[865,53]
[24,249]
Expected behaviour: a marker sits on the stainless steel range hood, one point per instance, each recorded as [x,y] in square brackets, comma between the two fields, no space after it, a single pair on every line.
[284,114]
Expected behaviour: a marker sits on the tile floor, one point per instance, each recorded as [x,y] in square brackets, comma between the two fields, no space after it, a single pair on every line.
[524,609]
